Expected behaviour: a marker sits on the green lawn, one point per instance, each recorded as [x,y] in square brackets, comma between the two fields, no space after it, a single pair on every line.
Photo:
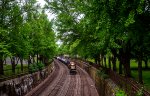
[8,71]
[146,73]
[146,77]
[133,63]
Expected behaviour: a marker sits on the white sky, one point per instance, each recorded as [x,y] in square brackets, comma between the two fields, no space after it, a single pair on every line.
[50,15]
[42,2]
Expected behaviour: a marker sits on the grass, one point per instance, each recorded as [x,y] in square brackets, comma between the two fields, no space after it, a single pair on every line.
[146,77]
[134,64]
[91,60]
[8,70]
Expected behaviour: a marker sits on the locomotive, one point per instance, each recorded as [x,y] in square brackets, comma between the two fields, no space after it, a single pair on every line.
[71,65]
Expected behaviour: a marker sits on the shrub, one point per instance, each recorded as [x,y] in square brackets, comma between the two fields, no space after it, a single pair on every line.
[33,68]
[140,92]
[40,65]
[36,67]
[102,74]
[120,93]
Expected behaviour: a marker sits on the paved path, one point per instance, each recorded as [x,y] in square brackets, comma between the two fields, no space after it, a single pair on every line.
[61,83]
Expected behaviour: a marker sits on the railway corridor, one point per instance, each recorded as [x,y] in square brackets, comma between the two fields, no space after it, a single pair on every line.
[61,83]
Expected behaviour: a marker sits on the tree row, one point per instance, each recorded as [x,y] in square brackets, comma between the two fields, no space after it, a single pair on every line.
[25,33]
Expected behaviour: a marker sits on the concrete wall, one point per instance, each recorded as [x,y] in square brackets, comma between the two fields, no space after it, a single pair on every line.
[21,85]
[105,86]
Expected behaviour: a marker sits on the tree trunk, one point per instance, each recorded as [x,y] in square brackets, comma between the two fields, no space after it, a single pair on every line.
[41,58]
[21,61]
[102,60]
[105,61]
[3,4]
[13,64]
[114,58]
[37,57]
[109,61]
[120,67]
[98,61]
[126,63]
[1,66]
[33,59]
[126,59]
[5,61]
[120,60]
[140,71]
[95,60]
[46,61]
[146,64]
[29,61]
[114,63]
[17,60]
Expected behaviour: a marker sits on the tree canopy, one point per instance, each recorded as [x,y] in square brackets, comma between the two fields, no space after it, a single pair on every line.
[94,28]
[25,32]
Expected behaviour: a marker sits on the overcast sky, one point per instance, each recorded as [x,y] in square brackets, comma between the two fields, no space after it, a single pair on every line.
[42,2]
[50,15]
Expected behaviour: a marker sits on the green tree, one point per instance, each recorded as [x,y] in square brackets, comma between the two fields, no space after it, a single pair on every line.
[93,28]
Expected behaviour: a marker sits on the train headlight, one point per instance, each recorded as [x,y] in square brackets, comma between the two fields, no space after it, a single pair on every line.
[72,64]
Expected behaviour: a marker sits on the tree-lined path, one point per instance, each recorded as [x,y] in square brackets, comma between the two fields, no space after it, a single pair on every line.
[61,83]
[111,34]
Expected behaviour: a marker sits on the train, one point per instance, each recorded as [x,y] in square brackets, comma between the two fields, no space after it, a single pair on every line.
[70,64]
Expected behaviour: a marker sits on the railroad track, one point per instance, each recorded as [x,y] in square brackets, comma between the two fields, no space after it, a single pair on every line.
[61,83]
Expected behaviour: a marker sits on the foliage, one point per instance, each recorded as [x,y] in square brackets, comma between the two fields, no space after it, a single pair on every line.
[8,70]
[120,93]
[140,92]
[40,66]
[25,32]
[36,67]
[33,68]
[102,74]
[94,28]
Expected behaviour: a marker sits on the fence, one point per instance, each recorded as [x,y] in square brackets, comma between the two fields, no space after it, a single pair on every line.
[128,84]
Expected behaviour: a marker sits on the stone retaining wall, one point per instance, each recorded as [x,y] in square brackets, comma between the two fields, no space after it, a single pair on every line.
[105,86]
[21,85]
